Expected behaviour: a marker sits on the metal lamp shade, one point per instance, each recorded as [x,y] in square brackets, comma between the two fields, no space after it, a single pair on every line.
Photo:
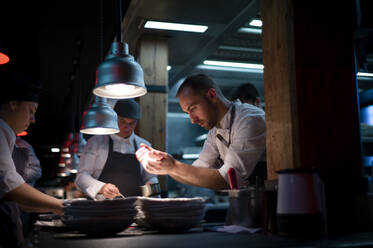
[100,119]
[4,58]
[120,76]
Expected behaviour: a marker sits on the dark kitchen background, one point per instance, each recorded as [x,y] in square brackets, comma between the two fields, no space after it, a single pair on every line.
[62,43]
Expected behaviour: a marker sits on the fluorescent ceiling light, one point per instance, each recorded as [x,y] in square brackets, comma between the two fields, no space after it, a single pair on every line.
[55,149]
[190,156]
[176,26]
[364,74]
[256,23]
[241,49]
[225,68]
[233,64]
[168,68]
[250,30]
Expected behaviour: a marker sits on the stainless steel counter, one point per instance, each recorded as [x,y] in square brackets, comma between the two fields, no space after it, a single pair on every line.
[197,237]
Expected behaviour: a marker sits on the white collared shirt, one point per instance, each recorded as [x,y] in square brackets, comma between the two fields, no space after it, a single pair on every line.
[9,177]
[94,156]
[248,142]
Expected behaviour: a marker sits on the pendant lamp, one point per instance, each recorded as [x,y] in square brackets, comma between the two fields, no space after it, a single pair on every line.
[4,58]
[78,143]
[120,76]
[100,118]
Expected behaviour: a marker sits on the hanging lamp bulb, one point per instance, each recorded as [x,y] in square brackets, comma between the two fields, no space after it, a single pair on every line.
[100,118]
[4,58]
[120,76]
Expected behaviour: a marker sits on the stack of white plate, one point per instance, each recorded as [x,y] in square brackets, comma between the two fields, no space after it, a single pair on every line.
[99,217]
[171,214]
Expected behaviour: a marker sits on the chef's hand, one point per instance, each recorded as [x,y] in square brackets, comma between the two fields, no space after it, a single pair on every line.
[109,190]
[154,161]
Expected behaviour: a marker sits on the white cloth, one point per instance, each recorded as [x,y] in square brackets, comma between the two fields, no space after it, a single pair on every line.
[9,177]
[94,156]
[234,229]
[248,142]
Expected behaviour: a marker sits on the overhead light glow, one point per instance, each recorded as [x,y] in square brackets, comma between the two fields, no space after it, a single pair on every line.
[55,149]
[3,59]
[233,64]
[168,68]
[23,133]
[250,30]
[364,74]
[225,68]
[176,26]
[256,23]
[119,91]
[99,131]
[190,156]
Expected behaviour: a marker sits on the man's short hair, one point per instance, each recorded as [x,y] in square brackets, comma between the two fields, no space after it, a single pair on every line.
[200,84]
[246,91]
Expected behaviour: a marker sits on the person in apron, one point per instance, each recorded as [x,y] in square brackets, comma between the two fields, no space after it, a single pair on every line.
[236,138]
[18,104]
[108,165]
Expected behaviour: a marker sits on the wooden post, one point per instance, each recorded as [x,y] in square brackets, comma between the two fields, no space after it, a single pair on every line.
[310,92]
[153,57]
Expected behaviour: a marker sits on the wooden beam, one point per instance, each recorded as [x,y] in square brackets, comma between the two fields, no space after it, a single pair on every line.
[310,92]
[153,57]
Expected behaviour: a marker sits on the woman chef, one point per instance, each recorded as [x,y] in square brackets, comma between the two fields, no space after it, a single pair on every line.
[18,104]
[108,165]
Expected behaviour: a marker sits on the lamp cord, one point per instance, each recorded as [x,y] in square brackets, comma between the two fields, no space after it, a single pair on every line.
[120,18]
[101,23]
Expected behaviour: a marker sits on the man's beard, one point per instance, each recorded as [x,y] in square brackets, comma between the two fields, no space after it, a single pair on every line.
[212,118]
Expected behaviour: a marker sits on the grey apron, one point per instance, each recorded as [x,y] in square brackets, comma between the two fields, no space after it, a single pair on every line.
[122,170]
[11,233]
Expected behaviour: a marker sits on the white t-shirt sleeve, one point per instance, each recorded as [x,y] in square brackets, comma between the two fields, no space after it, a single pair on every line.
[10,179]
[209,154]
[89,167]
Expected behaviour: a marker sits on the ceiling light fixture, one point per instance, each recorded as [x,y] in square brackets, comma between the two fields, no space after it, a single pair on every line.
[55,149]
[364,74]
[176,26]
[100,118]
[250,30]
[120,76]
[256,23]
[233,64]
[4,58]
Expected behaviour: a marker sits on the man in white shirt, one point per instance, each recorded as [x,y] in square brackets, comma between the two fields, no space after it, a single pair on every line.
[236,138]
[108,165]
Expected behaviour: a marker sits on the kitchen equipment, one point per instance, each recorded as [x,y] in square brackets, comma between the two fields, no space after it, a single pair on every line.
[170,215]
[246,207]
[232,178]
[300,203]
[151,190]
[105,217]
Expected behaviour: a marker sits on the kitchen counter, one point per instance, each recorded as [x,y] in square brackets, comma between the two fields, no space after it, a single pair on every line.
[197,237]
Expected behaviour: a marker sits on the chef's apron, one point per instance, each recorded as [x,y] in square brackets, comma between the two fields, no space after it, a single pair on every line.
[122,170]
[259,174]
[11,233]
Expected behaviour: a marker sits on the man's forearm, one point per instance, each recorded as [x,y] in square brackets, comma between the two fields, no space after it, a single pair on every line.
[197,176]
